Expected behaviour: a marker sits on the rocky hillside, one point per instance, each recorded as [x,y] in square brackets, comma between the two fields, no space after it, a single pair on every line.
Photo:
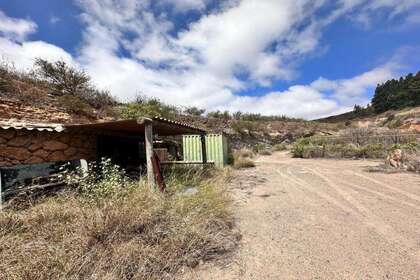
[57,93]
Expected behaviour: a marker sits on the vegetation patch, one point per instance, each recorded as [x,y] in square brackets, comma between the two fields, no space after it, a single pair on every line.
[109,227]
[280,147]
[243,159]
[314,148]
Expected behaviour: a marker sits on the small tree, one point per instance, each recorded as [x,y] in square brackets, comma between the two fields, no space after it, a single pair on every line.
[64,78]
[67,80]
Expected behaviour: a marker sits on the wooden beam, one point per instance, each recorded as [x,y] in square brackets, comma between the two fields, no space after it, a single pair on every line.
[148,140]
[203,148]
[1,194]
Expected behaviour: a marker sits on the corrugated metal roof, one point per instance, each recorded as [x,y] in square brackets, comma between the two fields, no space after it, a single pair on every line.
[157,118]
[162,125]
[19,124]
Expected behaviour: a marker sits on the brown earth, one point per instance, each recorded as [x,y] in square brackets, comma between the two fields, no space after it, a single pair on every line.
[322,219]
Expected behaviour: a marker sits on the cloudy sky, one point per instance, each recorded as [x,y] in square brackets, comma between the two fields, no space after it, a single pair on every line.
[302,58]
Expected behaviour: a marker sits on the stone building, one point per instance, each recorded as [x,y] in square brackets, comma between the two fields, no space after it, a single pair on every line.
[28,143]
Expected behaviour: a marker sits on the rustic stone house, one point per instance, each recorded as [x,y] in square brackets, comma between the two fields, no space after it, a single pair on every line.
[29,143]
[35,150]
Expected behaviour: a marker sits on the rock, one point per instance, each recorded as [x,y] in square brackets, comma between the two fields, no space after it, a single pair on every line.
[42,154]
[21,141]
[34,159]
[70,151]
[15,153]
[190,191]
[2,140]
[35,146]
[8,134]
[54,146]
[394,158]
[56,156]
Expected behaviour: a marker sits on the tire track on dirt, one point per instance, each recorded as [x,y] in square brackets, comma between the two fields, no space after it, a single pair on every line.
[308,187]
[402,192]
[410,195]
[368,217]
[385,196]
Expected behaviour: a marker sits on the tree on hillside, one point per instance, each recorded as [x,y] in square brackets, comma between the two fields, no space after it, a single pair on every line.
[65,80]
[397,94]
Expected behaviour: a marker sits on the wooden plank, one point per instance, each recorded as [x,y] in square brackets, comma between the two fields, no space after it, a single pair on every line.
[148,138]
[1,194]
[203,148]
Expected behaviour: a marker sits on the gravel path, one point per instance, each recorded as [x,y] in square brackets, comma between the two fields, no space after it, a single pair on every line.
[323,219]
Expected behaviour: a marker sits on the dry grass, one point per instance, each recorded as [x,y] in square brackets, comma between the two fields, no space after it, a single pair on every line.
[280,147]
[140,235]
[243,159]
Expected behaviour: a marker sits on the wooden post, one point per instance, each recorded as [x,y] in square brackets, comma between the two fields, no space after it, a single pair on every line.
[203,147]
[1,194]
[148,140]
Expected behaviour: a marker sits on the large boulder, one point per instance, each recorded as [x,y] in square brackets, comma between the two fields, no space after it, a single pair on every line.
[394,158]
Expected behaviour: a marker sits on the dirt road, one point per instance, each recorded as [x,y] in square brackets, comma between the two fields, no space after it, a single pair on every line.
[323,219]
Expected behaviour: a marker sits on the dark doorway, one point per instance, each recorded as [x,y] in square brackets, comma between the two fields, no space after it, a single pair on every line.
[127,152]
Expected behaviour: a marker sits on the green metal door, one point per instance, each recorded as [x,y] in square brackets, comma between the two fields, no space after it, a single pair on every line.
[216,147]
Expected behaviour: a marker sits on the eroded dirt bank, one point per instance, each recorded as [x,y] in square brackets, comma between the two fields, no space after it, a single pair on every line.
[323,219]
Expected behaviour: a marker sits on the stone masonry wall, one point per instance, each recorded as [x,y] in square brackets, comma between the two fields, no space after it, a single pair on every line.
[27,147]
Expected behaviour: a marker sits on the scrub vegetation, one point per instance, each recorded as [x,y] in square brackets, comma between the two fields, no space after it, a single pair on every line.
[356,143]
[109,227]
[243,159]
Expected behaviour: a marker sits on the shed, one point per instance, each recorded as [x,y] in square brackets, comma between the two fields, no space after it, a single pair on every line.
[216,149]
[127,142]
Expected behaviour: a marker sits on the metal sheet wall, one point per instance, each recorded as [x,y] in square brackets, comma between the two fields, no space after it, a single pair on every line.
[216,146]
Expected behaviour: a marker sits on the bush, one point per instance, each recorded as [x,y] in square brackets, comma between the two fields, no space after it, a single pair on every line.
[304,148]
[298,148]
[148,107]
[74,105]
[114,228]
[64,80]
[242,159]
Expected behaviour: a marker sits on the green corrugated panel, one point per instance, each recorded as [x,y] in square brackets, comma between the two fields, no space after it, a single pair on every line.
[216,146]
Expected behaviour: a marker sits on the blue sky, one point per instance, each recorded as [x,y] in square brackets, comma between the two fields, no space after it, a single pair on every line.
[300,58]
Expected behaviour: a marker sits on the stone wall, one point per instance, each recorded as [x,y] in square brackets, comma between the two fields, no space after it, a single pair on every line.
[27,147]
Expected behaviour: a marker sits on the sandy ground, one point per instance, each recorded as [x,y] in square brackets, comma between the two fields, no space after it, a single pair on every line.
[322,219]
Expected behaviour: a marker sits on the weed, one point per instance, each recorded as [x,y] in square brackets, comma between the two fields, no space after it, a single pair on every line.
[113,228]
[242,159]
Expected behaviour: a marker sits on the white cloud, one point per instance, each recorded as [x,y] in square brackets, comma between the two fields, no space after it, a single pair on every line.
[186,5]
[205,63]
[24,54]
[15,29]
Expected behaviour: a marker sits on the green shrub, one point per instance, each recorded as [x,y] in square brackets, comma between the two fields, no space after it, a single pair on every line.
[74,105]
[148,107]
[299,147]
[373,151]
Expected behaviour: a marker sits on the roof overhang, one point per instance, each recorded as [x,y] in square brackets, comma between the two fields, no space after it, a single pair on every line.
[161,126]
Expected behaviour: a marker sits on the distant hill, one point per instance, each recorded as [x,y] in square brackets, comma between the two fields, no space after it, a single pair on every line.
[391,95]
